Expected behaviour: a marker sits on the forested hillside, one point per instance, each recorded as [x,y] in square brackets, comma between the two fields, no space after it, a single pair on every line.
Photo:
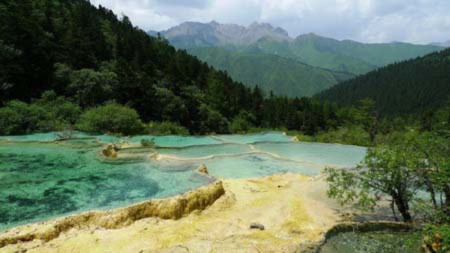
[74,57]
[283,76]
[299,66]
[401,88]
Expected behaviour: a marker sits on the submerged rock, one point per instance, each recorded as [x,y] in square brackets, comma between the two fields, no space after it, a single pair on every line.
[203,169]
[110,151]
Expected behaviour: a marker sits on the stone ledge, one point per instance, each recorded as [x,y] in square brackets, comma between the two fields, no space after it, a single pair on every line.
[170,208]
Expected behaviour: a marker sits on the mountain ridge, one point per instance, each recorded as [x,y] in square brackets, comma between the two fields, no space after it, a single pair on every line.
[441,44]
[318,52]
[214,33]
[283,76]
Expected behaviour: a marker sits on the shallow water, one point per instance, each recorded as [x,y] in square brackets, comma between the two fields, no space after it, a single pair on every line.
[41,179]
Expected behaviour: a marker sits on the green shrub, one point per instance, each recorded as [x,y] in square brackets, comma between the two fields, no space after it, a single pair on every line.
[212,121]
[242,123]
[148,143]
[16,118]
[111,118]
[49,113]
[166,128]
[58,113]
[305,138]
[353,135]
[437,237]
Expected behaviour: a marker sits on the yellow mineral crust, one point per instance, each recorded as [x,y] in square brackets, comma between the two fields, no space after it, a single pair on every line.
[170,208]
[293,209]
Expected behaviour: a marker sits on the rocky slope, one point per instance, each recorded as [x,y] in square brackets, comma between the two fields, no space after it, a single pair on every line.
[194,34]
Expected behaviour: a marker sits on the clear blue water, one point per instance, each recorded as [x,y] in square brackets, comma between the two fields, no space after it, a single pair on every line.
[41,179]
[318,153]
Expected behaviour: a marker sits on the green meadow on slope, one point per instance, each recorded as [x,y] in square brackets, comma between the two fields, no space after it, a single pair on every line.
[283,76]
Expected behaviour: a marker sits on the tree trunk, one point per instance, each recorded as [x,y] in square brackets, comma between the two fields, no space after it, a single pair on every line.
[403,208]
[430,187]
[446,206]
[393,210]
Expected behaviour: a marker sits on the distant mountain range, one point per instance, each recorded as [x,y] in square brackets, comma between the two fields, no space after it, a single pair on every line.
[441,44]
[194,34]
[263,55]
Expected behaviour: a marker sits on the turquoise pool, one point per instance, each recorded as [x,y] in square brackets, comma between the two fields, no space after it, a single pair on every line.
[42,179]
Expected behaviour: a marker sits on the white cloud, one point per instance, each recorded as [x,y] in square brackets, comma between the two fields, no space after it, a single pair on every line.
[419,21]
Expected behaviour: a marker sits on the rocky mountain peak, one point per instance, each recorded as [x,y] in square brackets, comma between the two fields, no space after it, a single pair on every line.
[217,34]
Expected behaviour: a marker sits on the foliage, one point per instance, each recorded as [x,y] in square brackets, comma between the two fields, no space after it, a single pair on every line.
[148,143]
[50,113]
[437,238]
[89,87]
[433,166]
[402,88]
[14,118]
[406,163]
[351,135]
[386,170]
[242,123]
[111,118]
[59,113]
[89,56]
[166,128]
[174,109]
[213,121]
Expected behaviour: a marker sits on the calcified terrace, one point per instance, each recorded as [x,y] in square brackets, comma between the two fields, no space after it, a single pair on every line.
[71,177]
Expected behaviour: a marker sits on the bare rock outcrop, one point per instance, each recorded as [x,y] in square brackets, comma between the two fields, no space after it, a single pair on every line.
[203,169]
[110,151]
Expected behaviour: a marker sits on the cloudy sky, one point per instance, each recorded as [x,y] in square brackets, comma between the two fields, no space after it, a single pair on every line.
[417,21]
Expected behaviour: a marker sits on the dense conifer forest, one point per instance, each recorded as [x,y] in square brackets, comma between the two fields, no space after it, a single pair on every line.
[412,86]
[87,56]
[63,61]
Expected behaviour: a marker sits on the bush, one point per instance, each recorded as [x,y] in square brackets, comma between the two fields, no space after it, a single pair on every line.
[166,128]
[16,118]
[111,118]
[242,123]
[212,121]
[49,113]
[58,113]
[148,143]
[353,135]
[437,238]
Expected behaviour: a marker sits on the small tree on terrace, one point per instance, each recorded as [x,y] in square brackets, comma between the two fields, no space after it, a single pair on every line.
[385,171]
